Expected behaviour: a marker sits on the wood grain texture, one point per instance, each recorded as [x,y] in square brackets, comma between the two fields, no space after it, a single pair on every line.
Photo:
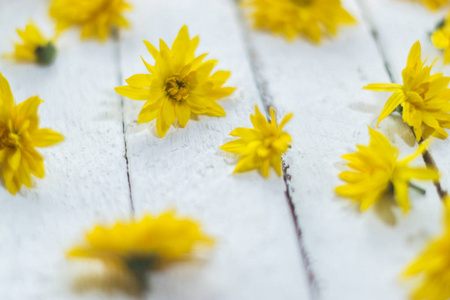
[352,255]
[86,178]
[257,255]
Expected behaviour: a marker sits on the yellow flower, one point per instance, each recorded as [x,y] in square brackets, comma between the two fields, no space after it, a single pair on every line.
[139,246]
[97,18]
[433,267]
[441,39]
[34,46]
[261,146]
[179,85]
[19,135]
[310,18]
[424,99]
[435,4]
[377,170]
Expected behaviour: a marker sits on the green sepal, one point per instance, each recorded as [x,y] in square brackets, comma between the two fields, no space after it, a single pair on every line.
[46,54]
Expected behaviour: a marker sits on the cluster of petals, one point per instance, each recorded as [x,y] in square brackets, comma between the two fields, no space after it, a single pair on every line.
[34,46]
[377,170]
[179,86]
[260,147]
[432,266]
[139,246]
[435,4]
[20,135]
[441,38]
[424,98]
[97,18]
[312,19]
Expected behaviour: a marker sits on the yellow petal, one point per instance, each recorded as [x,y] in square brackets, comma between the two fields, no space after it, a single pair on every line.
[284,121]
[395,100]
[277,164]
[383,87]
[401,194]
[246,163]
[46,137]
[419,173]
[414,55]
[14,160]
[140,81]
[439,39]
[183,114]
[153,51]
[150,68]
[133,93]
[237,146]
[161,126]
[6,97]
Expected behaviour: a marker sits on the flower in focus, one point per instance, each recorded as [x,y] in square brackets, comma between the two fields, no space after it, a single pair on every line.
[377,170]
[310,18]
[97,18]
[179,86]
[433,267]
[261,146]
[423,99]
[139,246]
[34,47]
[441,38]
[19,136]
[435,4]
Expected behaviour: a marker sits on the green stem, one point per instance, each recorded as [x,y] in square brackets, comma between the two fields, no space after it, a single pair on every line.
[417,188]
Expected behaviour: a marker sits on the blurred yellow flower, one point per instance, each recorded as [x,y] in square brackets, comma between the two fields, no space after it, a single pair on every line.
[310,18]
[377,170]
[433,267]
[139,246]
[435,4]
[34,47]
[441,38]
[423,99]
[179,85]
[97,18]
[19,135]
[262,146]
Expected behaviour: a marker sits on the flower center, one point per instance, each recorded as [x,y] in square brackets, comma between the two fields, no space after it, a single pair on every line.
[9,139]
[177,88]
[265,149]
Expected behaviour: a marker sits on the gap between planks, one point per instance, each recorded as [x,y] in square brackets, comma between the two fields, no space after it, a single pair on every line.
[116,37]
[267,101]
[427,158]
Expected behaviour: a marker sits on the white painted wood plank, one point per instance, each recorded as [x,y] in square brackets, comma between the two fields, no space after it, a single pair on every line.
[352,255]
[257,255]
[86,179]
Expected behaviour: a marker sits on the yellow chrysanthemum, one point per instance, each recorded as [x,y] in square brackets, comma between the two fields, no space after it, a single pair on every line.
[19,136]
[262,146]
[378,170]
[441,38]
[97,18]
[179,85]
[424,99]
[139,246]
[433,267]
[34,47]
[434,4]
[310,18]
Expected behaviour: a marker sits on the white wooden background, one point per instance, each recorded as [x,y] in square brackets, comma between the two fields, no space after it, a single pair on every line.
[328,251]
